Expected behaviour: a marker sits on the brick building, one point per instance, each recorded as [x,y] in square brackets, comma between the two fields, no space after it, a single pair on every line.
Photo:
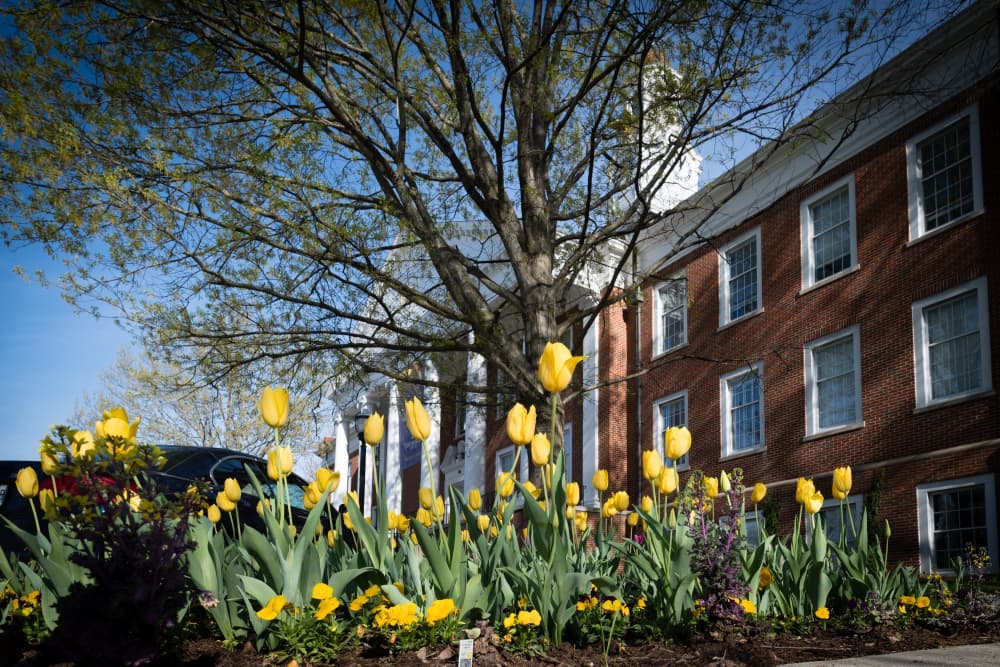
[841,312]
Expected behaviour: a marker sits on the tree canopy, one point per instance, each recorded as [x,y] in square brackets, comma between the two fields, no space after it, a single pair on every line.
[373,182]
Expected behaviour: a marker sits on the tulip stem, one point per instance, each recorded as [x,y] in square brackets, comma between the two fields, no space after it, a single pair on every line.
[34,513]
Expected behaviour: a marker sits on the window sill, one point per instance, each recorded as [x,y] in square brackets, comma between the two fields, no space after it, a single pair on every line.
[829,279]
[947,403]
[675,348]
[846,428]
[731,323]
[971,215]
[739,455]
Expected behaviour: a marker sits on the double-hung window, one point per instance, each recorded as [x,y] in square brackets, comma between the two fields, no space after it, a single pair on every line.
[944,174]
[742,399]
[954,517]
[670,411]
[671,314]
[951,343]
[833,382]
[740,278]
[829,233]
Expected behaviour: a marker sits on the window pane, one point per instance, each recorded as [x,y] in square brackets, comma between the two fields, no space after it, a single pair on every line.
[673,301]
[745,417]
[672,413]
[959,521]
[831,228]
[742,279]
[945,162]
[835,386]
[953,345]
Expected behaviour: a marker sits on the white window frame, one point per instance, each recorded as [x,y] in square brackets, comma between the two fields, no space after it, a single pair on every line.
[812,388]
[568,449]
[925,519]
[724,295]
[757,369]
[659,335]
[921,353]
[808,251]
[914,176]
[659,427]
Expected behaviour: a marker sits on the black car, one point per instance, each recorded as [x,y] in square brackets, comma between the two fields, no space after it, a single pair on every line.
[184,465]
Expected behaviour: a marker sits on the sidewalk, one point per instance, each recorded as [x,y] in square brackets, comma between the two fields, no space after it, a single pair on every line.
[977,655]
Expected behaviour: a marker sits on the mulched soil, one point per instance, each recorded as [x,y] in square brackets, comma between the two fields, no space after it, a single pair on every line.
[723,651]
[730,651]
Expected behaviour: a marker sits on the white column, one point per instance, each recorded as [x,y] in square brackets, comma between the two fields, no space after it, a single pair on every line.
[589,438]
[341,461]
[433,406]
[475,427]
[393,479]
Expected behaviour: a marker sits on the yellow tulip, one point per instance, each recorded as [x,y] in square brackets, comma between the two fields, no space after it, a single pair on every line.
[581,521]
[556,366]
[27,482]
[804,489]
[521,424]
[540,449]
[608,509]
[633,519]
[327,479]
[83,444]
[439,507]
[214,514]
[402,523]
[46,499]
[711,487]
[272,465]
[652,464]
[374,429]
[814,503]
[483,522]
[621,500]
[424,517]
[842,482]
[50,464]
[286,460]
[426,497]
[224,503]
[311,495]
[666,481]
[677,442]
[646,503]
[417,419]
[572,494]
[759,491]
[600,480]
[570,512]
[532,490]
[273,406]
[233,490]
[505,485]
[725,486]
[331,537]
[475,500]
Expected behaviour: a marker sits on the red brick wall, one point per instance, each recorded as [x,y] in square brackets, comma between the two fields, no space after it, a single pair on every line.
[877,297]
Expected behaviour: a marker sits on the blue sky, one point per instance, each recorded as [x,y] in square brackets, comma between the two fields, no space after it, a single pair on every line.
[49,355]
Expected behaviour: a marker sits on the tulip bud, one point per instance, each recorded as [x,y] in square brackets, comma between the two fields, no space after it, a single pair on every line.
[711,487]
[27,482]
[570,513]
[232,490]
[646,504]
[285,460]
[274,406]
[223,502]
[439,507]
[331,537]
[652,464]
[521,424]
[556,366]
[47,500]
[759,491]
[572,494]
[540,449]
[426,497]
[633,519]
[374,429]
[672,519]
[214,514]
[273,470]
[600,480]
[621,500]
[483,522]
[677,441]
[475,500]
[417,419]
[666,481]
[842,482]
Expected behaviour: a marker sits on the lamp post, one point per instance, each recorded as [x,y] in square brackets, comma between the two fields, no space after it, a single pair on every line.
[360,420]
